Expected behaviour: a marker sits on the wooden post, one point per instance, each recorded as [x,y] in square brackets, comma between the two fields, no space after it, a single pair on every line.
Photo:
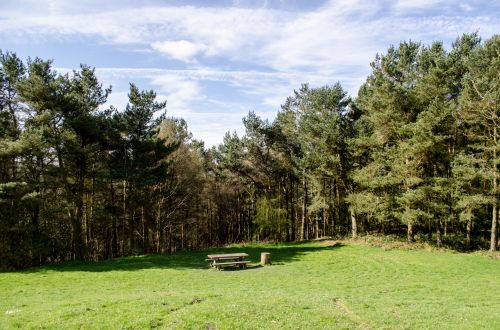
[265,258]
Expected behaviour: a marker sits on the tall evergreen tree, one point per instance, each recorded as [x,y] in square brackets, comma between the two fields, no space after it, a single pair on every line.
[480,104]
[389,105]
[64,109]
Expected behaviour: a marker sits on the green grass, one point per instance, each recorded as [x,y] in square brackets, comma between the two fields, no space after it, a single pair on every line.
[315,285]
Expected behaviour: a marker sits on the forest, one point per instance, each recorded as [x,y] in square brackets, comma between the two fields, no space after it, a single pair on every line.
[415,154]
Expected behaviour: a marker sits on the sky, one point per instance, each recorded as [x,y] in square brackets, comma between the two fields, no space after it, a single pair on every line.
[214,61]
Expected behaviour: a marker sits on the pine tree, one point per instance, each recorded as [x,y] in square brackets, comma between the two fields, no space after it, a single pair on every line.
[390,106]
[64,110]
[480,111]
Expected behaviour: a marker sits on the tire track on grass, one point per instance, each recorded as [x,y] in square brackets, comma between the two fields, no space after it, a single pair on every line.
[351,315]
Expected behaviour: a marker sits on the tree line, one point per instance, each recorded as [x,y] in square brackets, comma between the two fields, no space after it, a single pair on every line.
[416,153]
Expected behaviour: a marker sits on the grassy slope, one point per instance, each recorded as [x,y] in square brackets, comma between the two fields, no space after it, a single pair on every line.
[310,285]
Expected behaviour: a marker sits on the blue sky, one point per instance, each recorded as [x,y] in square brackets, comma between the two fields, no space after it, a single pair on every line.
[213,61]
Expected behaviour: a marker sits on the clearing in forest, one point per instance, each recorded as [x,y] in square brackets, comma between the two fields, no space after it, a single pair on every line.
[312,285]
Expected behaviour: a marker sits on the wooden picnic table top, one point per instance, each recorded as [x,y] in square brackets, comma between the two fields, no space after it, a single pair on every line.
[227,256]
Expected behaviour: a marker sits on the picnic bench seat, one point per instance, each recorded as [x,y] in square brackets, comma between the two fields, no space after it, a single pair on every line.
[241,264]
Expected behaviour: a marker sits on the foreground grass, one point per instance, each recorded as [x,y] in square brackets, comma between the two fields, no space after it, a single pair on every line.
[309,286]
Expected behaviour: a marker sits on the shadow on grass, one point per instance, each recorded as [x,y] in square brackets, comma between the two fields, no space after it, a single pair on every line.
[280,254]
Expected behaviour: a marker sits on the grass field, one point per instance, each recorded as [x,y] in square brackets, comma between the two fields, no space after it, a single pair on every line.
[316,285]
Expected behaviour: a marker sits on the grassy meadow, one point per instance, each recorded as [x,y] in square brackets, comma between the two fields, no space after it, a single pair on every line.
[314,285]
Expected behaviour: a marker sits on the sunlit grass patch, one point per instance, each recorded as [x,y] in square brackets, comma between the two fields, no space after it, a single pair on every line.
[312,285]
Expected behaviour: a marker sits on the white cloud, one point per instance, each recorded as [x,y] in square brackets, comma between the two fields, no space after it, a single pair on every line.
[210,116]
[342,32]
[179,92]
[274,51]
[182,50]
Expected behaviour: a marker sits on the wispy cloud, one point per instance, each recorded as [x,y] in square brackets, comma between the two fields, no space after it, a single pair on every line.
[405,5]
[338,33]
[255,54]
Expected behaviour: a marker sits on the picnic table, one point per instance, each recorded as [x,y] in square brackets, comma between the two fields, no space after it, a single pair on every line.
[228,259]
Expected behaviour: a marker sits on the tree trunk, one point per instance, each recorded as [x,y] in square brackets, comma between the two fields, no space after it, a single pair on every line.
[170,247]
[127,221]
[410,237]
[77,227]
[158,227]
[354,224]
[75,214]
[182,236]
[90,222]
[439,239]
[317,227]
[145,230]
[469,228]
[429,230]
[288,207]
[338,207]
[304,213]
[324,217]
[494,218]
[333,224]
[114,235]
[76,236]
[292,211]
[494,221]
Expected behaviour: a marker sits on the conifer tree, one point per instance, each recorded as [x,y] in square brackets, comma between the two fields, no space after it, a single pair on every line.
[480,110]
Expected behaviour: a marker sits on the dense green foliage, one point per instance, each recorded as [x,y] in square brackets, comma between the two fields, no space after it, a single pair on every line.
[309,286]
[416,153]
